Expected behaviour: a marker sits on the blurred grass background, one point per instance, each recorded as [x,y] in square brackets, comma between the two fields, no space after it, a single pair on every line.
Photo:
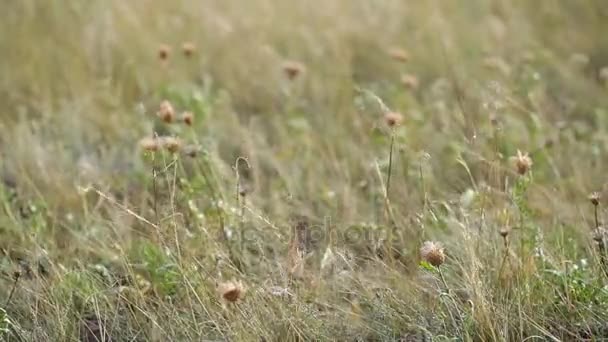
[81,84]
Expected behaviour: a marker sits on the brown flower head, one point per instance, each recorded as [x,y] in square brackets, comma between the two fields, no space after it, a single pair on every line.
[231,291]
[293,69]
[599,234]
[172,144]
[188,118]
[433,253]
[594,198]
[399,54]
[188,48]
[191,151]
[166,112]
[393,119]
[163,52]
[149,144]
[523,162]
[603,74]
[409,81]
[504,231]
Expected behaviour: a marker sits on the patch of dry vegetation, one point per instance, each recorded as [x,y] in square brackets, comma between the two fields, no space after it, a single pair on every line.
[303,170]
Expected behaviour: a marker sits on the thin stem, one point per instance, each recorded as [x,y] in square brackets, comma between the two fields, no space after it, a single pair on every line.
[10,296]
[390,163]
[154,192]
[597,221]
[505,257]
[445,284]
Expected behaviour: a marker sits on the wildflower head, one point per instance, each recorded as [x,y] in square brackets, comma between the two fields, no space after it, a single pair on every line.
[599,234]
[293,69]
[172,144]
[433,253]
[594,198]
[163,52]
[188,48]
[523,162]
[231,291]
[409,81]
[166,112]
[149,144]
[188,118]
[393,119]
[504,231]
[399,54]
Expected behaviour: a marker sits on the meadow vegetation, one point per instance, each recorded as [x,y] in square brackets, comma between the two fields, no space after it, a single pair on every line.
[272,170]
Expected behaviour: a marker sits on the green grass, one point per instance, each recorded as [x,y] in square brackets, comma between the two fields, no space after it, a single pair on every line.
[282,185]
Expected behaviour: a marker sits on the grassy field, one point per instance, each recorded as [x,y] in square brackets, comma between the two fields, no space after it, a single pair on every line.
[272,170]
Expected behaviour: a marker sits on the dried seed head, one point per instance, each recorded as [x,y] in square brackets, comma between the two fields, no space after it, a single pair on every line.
[149,144]
[393,119]
[231,291]
[523,162]
[163,52]
[188,48]
[409,81]
[599,234]
[191,151]
[399,54]
[188,118]
[166,112]
[293,68]
[172,144]
[433,253]
[594,198]
[504,231]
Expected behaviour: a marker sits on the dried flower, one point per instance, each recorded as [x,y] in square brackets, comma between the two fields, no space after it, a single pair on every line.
[188,118]
[188,48]
[433,253]
[293,68]
[191,150]
[393,119]
[594,198]
[172,144]
[399,54]
[522,162]
[166,112]
[599,234]
[231,291]
[504,231]
[163,52]
[409,81]
[149,144]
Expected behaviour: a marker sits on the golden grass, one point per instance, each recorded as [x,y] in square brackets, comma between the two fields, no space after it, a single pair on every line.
[282,123]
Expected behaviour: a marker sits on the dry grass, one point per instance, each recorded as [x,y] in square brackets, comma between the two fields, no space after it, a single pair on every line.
[260,206]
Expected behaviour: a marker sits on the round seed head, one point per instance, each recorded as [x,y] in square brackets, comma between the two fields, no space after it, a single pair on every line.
[523,162]
[393,119]
[188,48]
[599,234]
[399,54]
[293,69]
[149,144]
[163,52]
[594,198]
[410,81]
[172,144]
[433,253]
[166,112]
[188,118]
[231,291]
[504,231]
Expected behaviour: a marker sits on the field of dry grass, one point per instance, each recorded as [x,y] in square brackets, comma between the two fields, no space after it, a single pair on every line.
[281,170]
